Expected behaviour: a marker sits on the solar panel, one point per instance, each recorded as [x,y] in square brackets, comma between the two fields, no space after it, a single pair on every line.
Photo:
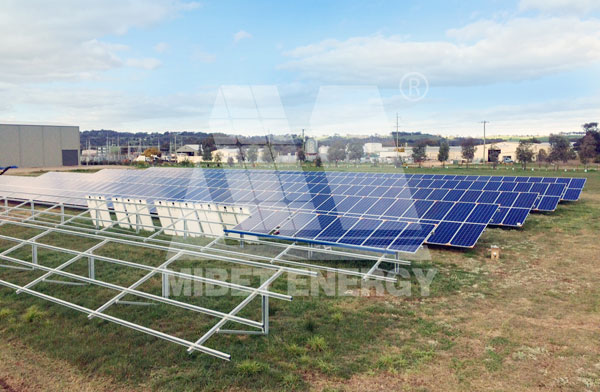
[319,206]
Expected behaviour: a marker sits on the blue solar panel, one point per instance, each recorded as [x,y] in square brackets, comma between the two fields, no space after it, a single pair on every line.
[460,212]
[525,200]
[385,234]
[482,213]
[290,227]
[438,211]
[432,198]
[467,235]
[418,209]
[516,216]
[399,208]
[269,223]
[380,207]
[454,195]
[547,203]
[337,229]
[412,237]
[251,222]
[444,233]
[315,226]
[572,194]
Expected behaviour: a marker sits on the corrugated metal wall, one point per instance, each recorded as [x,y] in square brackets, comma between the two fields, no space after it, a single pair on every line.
[36,145]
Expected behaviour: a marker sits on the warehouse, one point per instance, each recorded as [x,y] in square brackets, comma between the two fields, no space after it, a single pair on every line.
[39,145]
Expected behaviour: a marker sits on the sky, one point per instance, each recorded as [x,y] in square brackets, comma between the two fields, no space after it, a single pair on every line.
[529,67]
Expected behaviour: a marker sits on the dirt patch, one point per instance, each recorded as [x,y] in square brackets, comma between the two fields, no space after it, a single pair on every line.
[23,369]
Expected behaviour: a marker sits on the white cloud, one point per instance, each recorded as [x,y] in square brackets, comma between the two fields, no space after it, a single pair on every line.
[46,41]
[161,47]
[482,52]
[108,109]
[145,63]
[562,6]
[248,109]
[240,35]
[349,109]
[203,57]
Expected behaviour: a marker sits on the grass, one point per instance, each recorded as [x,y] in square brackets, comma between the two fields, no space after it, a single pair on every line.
[525,322]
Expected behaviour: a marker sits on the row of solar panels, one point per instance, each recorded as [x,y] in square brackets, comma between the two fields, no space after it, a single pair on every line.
[495,192]
[514,206]
[378,179]
[549,193]
[467,218]
[459,212]
[551,186]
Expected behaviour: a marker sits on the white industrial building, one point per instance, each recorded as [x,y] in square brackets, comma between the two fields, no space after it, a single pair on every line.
[39,145]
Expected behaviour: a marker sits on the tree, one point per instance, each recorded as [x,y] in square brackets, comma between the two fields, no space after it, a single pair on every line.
[268,154]
[355,151]
[318,161]
[186,163]
[208,146]
[587,151]
[151,152]
[444,152]
[241,156]
[542,156]
[337,152]
[468,149]
[218,158]
[494,154]
[591,129]
[230,161]
[300,155]
[419,152]
[525,153]
[252,155]
[560,149]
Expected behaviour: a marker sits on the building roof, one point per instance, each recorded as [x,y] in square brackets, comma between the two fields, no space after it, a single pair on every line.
[189,148]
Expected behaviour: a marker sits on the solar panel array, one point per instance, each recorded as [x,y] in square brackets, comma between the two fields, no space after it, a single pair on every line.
[377,211]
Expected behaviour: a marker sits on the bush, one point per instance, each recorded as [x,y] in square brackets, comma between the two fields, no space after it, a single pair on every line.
[249,368]
[317,343]
[33,314]
[5,314]
[295,350]
[337,317]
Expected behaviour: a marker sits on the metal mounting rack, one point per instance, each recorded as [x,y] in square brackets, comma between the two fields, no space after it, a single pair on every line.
[87,223]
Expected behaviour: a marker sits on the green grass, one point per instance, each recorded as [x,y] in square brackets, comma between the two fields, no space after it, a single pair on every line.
[311,338]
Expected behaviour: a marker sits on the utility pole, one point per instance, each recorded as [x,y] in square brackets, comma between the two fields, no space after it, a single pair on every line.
[397,139]
[484,122]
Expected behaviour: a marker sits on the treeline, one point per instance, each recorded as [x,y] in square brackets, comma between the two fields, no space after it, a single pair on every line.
[99,138]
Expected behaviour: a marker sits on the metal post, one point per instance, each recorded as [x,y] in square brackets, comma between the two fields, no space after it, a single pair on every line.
[34,254]
[32,209]
[91,268]
[165,285]
[265,314]
[137,222]
[62,213]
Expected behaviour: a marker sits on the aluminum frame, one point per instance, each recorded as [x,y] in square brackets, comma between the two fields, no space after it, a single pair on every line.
[29,214]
